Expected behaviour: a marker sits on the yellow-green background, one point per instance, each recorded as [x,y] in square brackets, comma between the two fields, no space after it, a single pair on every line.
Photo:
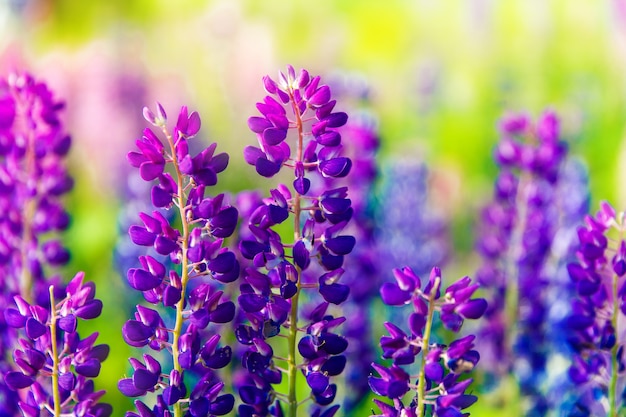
[486,57]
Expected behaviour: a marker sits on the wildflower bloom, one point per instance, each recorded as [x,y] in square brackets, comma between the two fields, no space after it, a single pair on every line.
[438,385]
[182,274]
[420,240]
[33,180]
[52,361]
[520,230]
[597,310]
[279,271]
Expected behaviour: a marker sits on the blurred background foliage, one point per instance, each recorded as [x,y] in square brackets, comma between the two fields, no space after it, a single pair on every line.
[440,74]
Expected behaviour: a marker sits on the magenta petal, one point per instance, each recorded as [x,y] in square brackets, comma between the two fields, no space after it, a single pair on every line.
[90,310]
[472,309]
[68,323]
[341,245]
[127,387]
[142,280]
[223,262]
[274,136]
[90,368]
[194,124]
[335,293]
[150,170]
[224,313]
[337,167]
[266,168]
[34,329]
[330,138]
[140,236]
[251,154]
[417,322]
[317,381]
[144,379]
[301,255]
[14,318]
[160,198]
[67,381]
[392,295]
[258,124]
[17,380]
[320,97]
[136,331]
[336,119]
[165,246]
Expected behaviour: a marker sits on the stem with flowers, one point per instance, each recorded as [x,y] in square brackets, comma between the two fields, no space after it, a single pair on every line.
[296,102]
[421,382]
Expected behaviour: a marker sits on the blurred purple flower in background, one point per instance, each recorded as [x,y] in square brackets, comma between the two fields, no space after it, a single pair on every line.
[525,235]
[597,310]
[51,364]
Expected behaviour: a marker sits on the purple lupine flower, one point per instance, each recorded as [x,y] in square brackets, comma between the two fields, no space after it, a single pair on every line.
[33,179]
[419,240]
[181,275]
[598,308]
[439,367]
[522,230]
[278,272]
[52,361]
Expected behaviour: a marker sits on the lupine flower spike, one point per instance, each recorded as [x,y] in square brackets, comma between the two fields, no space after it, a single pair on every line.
[520,234]
[182,276]
[597,311]
[437,383]
[297,130]
[51,365]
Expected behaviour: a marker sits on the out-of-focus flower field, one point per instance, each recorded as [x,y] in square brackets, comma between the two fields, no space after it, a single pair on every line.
[436,75]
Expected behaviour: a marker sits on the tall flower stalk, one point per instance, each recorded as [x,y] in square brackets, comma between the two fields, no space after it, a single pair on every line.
[46,363]
[280,273]
[183,283]
[598,312]
[520,237]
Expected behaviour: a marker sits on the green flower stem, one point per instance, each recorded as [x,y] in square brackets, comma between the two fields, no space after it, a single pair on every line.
[293,315]
[511,272]
[421,382]
[26,278]
[613,392]
[613,409]
[56,395]
[178,326]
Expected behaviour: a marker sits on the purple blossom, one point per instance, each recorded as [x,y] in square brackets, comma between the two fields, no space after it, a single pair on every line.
[33,178]
[298,129]
[598,307]
[49,359]
[438,385]
[182,274]
[521,230]
[52,361]
[420,240]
